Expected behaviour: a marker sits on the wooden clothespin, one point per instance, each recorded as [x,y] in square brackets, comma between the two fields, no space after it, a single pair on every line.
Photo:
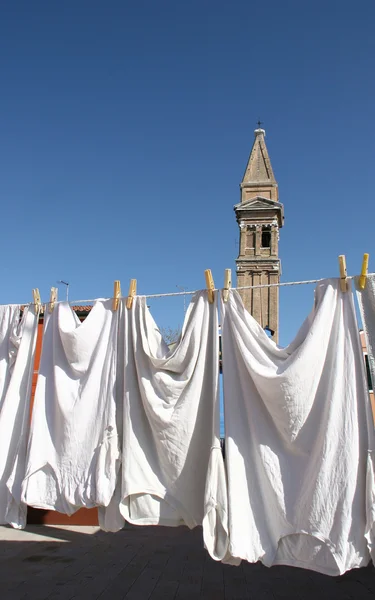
[343,274]
[227,284]
[132,293]
[52,299]
[210,285]
[363,275]
[116,295]
[37,301]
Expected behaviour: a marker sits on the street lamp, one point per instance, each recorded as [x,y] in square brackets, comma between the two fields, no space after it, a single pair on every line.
[67,288]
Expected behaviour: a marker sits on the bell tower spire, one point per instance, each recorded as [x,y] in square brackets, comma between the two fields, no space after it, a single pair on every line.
[260,216]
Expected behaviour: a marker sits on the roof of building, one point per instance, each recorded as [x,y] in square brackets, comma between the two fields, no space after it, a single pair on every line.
[79,308]
[259,169]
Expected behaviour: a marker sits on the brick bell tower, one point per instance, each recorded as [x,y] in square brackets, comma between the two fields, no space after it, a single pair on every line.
[260,215]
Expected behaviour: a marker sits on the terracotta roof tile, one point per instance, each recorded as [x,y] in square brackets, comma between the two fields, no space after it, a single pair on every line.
[79,308]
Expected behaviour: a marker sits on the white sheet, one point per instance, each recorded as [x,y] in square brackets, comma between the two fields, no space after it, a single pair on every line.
[296,438]
[15,416]
[74,448]
[171,416]
[9,321]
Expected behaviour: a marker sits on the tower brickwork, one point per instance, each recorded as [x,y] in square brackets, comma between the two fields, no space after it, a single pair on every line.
[260,216]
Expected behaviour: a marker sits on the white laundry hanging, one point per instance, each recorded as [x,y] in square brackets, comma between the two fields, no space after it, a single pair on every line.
[15,413]
[9,320]
[296,438]
[74,447]
[171,416]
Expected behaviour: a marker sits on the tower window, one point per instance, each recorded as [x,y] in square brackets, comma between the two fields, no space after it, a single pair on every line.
[250,239]
[269,331]
[266,239]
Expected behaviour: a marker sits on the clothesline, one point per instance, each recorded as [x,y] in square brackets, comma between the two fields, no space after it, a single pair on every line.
[191,293]
[246,287]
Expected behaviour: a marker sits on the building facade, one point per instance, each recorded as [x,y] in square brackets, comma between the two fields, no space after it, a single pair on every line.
[370,383]
[260,216]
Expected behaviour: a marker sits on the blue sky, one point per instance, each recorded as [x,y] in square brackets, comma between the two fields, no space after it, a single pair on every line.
[126,128]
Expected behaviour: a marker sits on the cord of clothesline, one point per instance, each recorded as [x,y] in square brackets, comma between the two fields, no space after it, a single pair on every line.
[284,283]
[245,287]
[191,293]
